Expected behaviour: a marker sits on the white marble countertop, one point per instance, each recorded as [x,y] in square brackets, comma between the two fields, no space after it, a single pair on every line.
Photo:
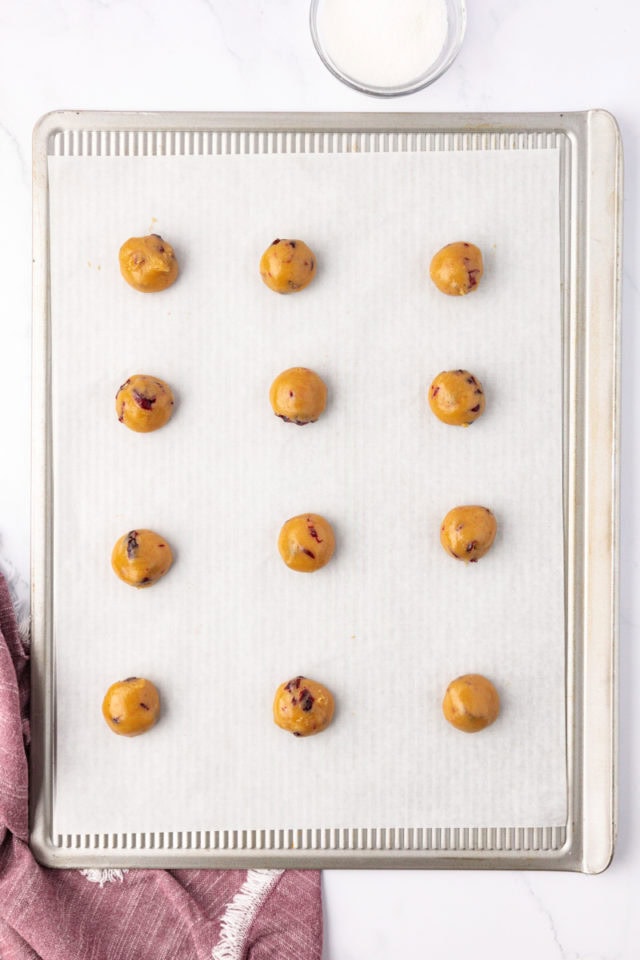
[257,55]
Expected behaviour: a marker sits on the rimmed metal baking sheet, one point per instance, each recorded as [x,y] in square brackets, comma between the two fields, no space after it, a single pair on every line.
[590,216]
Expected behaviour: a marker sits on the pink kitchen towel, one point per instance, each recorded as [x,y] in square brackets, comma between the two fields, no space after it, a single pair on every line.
[130,914]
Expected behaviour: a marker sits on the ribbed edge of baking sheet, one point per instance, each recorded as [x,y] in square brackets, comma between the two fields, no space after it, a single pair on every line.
[206,143]
[560,847]
[434,839]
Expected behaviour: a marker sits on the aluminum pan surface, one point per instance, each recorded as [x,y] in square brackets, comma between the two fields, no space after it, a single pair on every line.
[587,842]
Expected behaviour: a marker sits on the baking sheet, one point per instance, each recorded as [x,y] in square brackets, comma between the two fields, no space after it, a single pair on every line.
[392,619]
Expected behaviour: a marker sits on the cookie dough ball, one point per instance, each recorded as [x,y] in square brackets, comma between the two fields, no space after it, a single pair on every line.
[456,397]
[148,263]
[457,268]
[303,707]
[306,542]
[468,532]
[471,703]
[144,403]
[131,706]
[141,558]
[298,395]
[287,266]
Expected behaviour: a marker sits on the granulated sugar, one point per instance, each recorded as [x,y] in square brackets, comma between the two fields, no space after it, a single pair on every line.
[383,43]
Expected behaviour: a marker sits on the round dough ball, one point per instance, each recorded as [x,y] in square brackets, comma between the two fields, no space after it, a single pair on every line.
[141,558]
[144,403]
[457,268]
[131,706]
[306,543]
[287,266]
[456,397]
[298,395]
[468,532]
[148,264]
[303,707]
[471,703]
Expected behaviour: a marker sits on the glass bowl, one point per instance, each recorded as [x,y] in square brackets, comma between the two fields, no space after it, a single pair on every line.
[456,25]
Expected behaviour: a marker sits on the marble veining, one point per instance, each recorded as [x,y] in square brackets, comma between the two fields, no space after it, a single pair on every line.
[15,144]
[547,914]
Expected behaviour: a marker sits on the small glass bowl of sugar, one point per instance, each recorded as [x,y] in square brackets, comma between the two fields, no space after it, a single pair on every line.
[388,48]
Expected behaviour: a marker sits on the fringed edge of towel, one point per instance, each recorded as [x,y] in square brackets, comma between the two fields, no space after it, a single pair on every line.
[20,596]
[241,912]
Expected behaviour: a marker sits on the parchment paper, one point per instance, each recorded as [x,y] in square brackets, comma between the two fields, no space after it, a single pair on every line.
[392,619]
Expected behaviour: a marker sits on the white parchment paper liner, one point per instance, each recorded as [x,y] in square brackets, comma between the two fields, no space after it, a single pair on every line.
[392,619]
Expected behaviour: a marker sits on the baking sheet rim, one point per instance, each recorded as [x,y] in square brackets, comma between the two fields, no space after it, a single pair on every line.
[595,130]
